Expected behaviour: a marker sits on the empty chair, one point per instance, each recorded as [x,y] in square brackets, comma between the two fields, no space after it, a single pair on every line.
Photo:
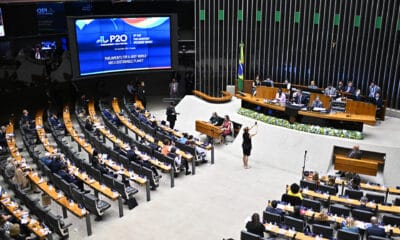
[362,215]
[309,185]
[244,235]
[125,191]
[295,223]
[108,181]
[391,219]
[57,225]
[325,231]
[330,190]
[77,196]
[95,205]
[345,235]
[291,199]
[339,210]
[273,218]
[354,194]
[311,204]
[375,198]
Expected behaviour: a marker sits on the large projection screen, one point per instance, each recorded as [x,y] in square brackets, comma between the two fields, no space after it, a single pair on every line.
[113,45]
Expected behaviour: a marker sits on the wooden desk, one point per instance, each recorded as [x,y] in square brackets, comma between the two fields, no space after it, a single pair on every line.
[288,233]
[226,97]
[24,217]
[208,129]
[351,202]
[333,119]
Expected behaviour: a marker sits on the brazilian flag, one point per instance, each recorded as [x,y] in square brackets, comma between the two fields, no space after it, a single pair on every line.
[241,68]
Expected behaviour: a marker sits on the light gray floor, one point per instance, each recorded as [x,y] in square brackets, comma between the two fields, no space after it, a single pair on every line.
[214,203]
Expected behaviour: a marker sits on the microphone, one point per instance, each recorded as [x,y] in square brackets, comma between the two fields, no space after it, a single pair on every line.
[305,153]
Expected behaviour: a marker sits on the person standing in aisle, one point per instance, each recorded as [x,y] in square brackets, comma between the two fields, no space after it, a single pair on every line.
[246,144]
[171,115]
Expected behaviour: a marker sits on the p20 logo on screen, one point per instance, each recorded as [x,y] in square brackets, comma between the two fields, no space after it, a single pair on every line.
[113,39]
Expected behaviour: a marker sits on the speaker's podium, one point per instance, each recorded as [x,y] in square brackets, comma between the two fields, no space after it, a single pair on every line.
[211,131]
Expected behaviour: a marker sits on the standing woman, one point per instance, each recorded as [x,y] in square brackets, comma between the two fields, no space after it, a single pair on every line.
[246,145]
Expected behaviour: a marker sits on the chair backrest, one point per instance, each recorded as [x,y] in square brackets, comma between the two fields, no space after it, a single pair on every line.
[273,218]
[77,195]
[308,185]
[354,194]
[331,190]
[346,235]
[311,204]
[375,197]
[120,188]
[65,187]
[90,203]
[362,215]
[396,202]
[295,223]
[339,210]
[244,235]
[391,219]
[108,181]
[291,199]
[377,238]
[325,231]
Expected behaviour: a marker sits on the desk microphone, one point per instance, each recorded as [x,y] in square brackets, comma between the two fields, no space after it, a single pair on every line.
[305,153]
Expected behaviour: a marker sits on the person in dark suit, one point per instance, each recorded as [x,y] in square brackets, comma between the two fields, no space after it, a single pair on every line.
[56,164]
[300,98]
[70,178]
[374,229]
[355,152]
[363,205]
[171,115]
[179,162]
[141,93]
[255,226]
[317,103]
[378,101]
[373,89]
[349,88]
[273,208]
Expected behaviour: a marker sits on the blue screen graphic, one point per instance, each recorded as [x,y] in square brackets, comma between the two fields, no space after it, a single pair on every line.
[107,45]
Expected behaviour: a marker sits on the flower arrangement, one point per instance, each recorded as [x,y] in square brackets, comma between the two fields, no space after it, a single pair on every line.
[343,133]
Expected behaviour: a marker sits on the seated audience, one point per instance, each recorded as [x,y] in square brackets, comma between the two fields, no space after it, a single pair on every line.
[268,82]
[272,208]
[300,98]
[373,89]
[357,95]
[280,96]
[226,128]
[340,87]
[355,152]
[10,168]
[349,225]
[89,124]
[55,122]
[215,119]
[294,191]
[184,138]
[255,226]
[349,88]
[56,164]
[180,163]
[363,204]
[20,178]
[317,103]
[26,118]
[96,163]
[166,147]
[355,182]
[133,157]
[378,101]
[200,152]
[69,177]
[297,213]
[375,229]
[312,85]
[330,91]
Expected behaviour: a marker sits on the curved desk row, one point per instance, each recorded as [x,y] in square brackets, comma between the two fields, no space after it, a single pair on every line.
[226,97]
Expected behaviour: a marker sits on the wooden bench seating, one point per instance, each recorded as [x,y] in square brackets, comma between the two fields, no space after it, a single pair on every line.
[225,98]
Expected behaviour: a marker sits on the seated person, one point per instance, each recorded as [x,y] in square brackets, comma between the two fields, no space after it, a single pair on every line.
[330,91]
[355,182]
[166,147]
[280,96]
[355,152]
[268,82]
[349,225]
[96,163]
[179,162]
[349,88]
[294,191]
[300,98]
[357,95]
[55,122]
[363,204]
[56,164]
[297,213]
[378,101]
[26,118]
[312,85]
[272,208]
[69,178]
[184,138]
[89,124]
[133,157]
[255,226]
[226,128]
[340,87]
[3,140]
[200,152]
[29,130]
[20,178]
[315,178]
[373,89]
[332,182]
[46,159]
[215,119]
[317,103]
[322,218]
[375,229]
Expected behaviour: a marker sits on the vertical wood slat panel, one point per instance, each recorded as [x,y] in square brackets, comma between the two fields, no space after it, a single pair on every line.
[299,51]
